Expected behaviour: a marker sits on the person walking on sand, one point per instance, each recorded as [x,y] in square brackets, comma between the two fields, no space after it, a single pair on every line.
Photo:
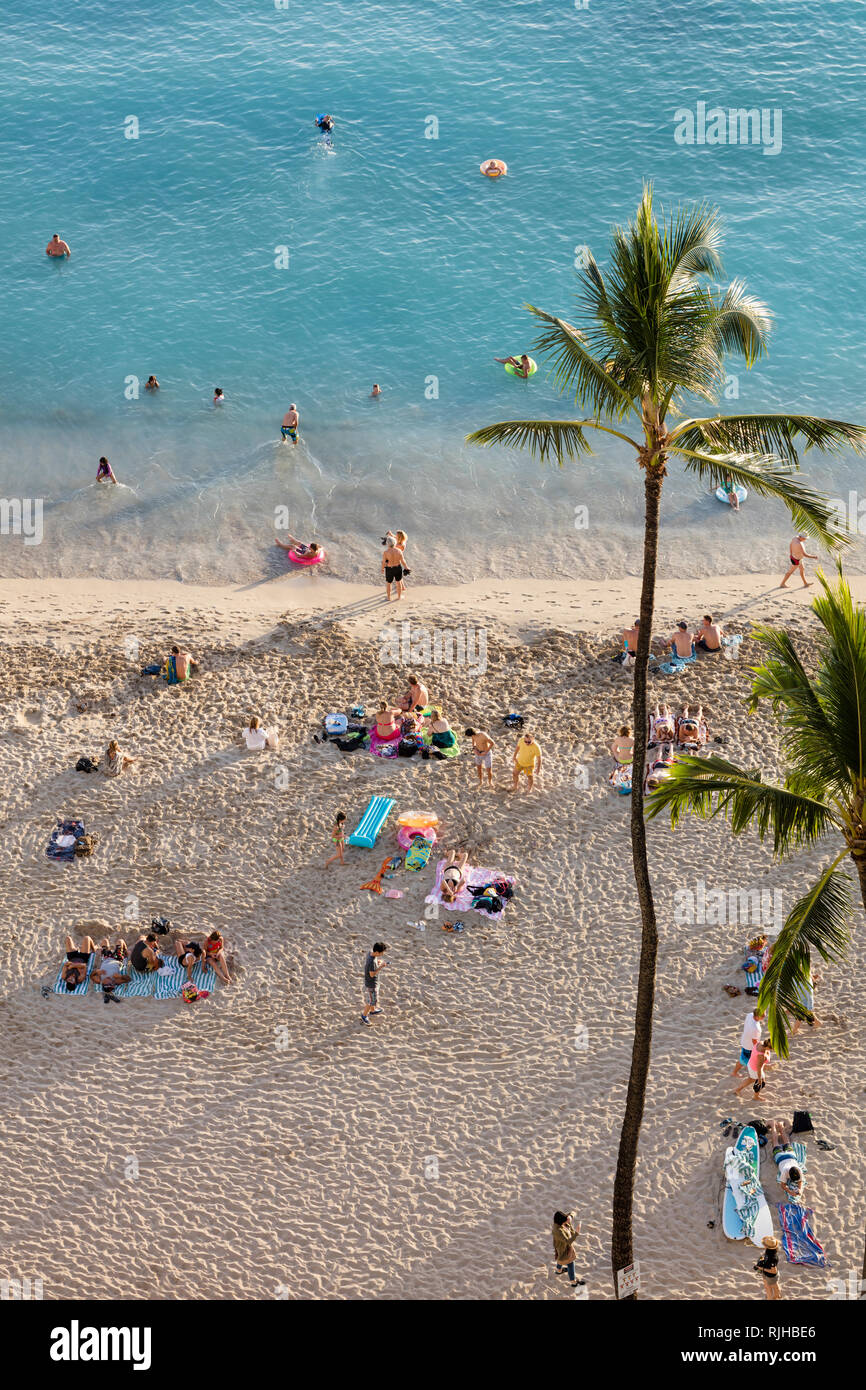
[797,554]
[752,1033]
[527,759]
[565,1233]
[392,568]
[291,422]
[758,1064]
[483,745]
[768,1267]
[372,965]
[338,838]
[57,246]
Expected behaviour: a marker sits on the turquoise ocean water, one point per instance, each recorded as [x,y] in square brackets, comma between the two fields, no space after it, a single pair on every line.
[405,266]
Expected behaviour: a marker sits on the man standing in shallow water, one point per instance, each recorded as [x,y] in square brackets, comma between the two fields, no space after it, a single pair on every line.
[57,246]
[289,427]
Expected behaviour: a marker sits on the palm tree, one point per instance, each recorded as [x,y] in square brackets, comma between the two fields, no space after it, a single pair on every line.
[655,333]
[822,798]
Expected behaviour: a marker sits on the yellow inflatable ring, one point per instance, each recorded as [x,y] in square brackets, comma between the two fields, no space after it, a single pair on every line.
[499,167]
[418,820]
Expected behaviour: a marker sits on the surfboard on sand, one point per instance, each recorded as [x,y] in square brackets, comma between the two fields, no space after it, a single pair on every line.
[732,1225]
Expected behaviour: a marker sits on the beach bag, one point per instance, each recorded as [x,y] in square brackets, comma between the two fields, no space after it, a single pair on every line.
[802,1122]
[408,747]
[357,711]
[86,764]
[513,721]
[336,723]
[503,889]
[488,902]
[84,845]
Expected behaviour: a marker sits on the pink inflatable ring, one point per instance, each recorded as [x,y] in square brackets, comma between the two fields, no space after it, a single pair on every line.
[297,559]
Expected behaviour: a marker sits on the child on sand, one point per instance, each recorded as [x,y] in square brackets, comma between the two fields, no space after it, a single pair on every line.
[483,746]
[338,838]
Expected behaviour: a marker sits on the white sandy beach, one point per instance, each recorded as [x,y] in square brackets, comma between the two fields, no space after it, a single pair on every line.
[281,1148]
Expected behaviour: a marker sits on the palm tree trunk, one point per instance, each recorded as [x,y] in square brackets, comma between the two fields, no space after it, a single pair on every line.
[860,864]
[623,1190]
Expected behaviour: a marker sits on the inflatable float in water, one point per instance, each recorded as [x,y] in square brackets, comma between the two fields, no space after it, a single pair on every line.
[512,370]
[494,168]
[740,491]
[297,559]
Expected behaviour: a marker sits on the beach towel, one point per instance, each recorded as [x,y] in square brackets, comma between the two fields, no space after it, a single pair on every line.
[452,752]
[620,778]
[59,986]
[62,830]
[478,879]
[385,747]
[141,986]
[170,985]
[799,1242]
[753,966]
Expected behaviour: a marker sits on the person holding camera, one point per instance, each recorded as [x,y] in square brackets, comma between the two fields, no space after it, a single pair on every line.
[565,1233]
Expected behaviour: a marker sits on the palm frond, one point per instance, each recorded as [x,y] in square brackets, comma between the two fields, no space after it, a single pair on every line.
[544,439]
[769,434]
[768,476]
[741,323]
[577,372]
[712,786]
[819,921]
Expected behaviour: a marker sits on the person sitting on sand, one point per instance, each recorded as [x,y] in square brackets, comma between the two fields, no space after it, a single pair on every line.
[622,747]
[57,246]
[151,384]
[144,956]
[180,666]
[442,736]
[417,697]
[681,641]
[189,954]
[289,427]
[104,473]
[257,738]
[522,365]
[789,1175]
[629,643]
[299,547]
[454,877]
[115,761]
[73,971]
[387,730]
[215,956]
[709,635]
[483,746]
[662,725]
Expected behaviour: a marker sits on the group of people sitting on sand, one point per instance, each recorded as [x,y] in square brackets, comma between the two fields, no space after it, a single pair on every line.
[668,735]
[118,961]
[682,643]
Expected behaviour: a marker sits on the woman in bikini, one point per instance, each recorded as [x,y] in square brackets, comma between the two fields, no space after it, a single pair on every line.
[387,732]
[215,956]
[453,877]
[662,725]
[622,747]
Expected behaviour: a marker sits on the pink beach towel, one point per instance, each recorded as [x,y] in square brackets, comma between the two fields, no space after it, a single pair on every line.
[463,901]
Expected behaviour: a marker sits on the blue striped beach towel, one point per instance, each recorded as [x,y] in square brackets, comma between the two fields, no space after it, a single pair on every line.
[141,986]
[169,986]
[60,988]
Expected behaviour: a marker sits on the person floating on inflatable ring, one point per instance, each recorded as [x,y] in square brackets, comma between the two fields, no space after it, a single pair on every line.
[307,552]
[494,168]
[522,365]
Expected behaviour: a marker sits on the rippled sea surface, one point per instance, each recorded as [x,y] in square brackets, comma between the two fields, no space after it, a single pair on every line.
[405,267]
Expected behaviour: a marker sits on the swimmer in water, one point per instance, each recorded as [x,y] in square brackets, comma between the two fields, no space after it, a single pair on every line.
[492,167]
[521,365]
[57,246]
[377,390]
[291,543]
[218,395]
[325,122]
[151,384]
[291,421]
[104,472]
